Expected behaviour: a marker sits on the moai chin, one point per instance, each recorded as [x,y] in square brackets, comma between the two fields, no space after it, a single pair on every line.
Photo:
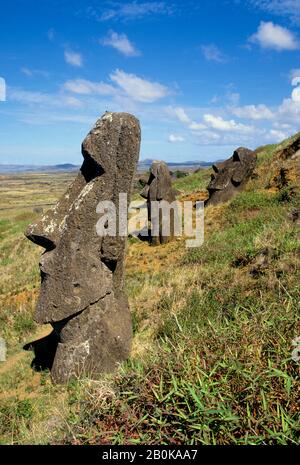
[230,176]
[82,274]
[159,188]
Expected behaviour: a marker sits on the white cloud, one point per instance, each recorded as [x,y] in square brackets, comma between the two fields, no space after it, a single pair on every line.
[273,36]
[294,73]
[128,88]
[218,123]
[72,101]
[196,126]
[173,138]
[283,118]
[233,97]
[83,86]
[73,58]
[207,138]
[296,93]
[46,118]
[276,136]
[27,72]
[2,89]
[42,99]
[121,43]
[289,110]
[289,8]
[137,88]
[253,112]
[34,72]
[212,53]
[296,80]
[132,10]
[24,96]
[180,114]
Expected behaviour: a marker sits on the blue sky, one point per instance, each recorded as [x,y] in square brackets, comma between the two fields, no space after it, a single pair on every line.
[203,77]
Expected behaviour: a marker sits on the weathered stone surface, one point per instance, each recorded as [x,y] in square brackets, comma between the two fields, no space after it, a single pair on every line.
[231,176]
[82,273]
[158,188]
[291,150]
[285,167]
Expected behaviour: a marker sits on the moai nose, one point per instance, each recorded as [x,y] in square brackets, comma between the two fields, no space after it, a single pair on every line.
[42,233]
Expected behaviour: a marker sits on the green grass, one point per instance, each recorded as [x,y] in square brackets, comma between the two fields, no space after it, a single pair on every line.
[211,360]
[193,182]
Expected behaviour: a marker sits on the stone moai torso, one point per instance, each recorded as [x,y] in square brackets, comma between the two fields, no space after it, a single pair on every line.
[82,294]
[159,188]
[230,176]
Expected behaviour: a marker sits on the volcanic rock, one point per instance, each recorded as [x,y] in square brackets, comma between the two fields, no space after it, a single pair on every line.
[231,176]
[82,273]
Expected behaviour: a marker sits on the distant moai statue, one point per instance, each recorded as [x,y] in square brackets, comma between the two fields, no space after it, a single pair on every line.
[82,274]
[231,176]
[159,189]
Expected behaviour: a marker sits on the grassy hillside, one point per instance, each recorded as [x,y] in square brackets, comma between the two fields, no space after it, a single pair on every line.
[213,330]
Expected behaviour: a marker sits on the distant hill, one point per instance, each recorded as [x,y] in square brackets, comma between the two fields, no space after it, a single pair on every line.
[7,169]
[145,164]
[142,166]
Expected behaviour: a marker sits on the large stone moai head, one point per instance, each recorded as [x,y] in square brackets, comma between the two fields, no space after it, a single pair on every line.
[159,188]
[82,293]
[231,176]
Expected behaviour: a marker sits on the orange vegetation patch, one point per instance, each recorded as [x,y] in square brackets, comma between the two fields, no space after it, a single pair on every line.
[22,298]
[145,258]
[195,196]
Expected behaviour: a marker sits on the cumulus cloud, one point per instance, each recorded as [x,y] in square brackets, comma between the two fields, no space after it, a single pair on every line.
[173,138]
[137,88]
[273,36]
[218,123]
[212,53]
[196,126]
[128,86]
[213,129]
[295,76]
[86,87]
[180,114]
[121,43]
[289,110]
[73,58]
[253,112]
[284,118]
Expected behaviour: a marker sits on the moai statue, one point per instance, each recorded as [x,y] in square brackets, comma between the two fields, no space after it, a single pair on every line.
[82,274]
[158,189]
[231,176]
